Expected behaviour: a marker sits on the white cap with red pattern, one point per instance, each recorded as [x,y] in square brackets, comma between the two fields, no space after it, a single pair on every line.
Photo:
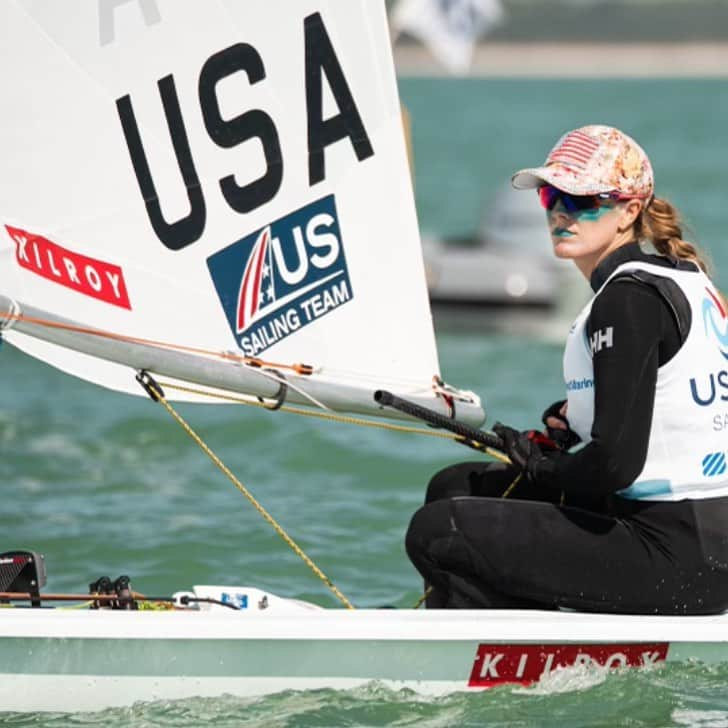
[592,160]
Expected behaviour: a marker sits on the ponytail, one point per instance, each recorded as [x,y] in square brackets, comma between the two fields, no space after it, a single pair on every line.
[660,224]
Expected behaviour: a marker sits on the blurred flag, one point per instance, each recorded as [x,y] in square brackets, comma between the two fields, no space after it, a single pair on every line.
[450,28]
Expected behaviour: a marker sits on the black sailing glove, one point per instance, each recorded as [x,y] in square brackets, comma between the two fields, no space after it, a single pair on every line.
[564,439]
[525,451]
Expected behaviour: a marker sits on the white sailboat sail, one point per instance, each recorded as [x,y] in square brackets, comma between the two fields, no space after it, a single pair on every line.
[188,182]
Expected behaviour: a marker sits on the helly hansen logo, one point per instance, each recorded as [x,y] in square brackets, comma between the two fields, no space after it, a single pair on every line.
[714,464]
[602,339]
[496,664]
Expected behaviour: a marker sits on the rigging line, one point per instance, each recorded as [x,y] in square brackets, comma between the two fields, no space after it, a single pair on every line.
[354,421]
[333,417]
[269,374]
[154,391]
[422,599]
[515,482]
[302,369]
[7,318]
[359,376]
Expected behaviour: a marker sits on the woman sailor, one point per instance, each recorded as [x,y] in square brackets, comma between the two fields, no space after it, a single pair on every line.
[628,512]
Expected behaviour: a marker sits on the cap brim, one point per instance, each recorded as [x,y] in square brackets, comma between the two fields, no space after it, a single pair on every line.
[530,179]
[559,176]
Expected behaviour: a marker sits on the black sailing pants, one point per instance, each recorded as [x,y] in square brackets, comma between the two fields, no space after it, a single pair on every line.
[478,550]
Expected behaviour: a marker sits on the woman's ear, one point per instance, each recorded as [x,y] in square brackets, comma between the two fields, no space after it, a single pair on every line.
[629,213]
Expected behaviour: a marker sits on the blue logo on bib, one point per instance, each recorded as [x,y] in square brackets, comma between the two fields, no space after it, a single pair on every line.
[714,464]
[715,321]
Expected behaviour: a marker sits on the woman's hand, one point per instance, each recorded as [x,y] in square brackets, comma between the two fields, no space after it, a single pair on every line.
[532,452]
[521,447]
[557,426]
[554,417]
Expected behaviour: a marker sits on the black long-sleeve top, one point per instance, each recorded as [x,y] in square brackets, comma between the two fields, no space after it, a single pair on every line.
[647,334]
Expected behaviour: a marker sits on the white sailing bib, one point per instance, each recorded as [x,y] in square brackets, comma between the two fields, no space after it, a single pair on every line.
[688,445]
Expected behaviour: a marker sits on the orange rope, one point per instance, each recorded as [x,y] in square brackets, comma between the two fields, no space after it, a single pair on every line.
[303,369]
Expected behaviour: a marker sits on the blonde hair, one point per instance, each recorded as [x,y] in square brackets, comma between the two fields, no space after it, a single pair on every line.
[660,224]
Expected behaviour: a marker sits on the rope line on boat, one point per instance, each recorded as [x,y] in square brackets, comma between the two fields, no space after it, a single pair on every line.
[349,420]
[284,385]
[267,369]
[155,392]
[87,599]
[510,488]
[421,600]
[346,419]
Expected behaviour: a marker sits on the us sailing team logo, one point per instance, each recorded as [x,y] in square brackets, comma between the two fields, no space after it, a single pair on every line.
[715,320]
[282,277]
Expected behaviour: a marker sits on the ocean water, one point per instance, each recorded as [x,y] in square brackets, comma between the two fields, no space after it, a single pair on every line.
[107,484]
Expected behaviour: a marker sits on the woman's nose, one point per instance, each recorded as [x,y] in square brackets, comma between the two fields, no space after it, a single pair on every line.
[559,214]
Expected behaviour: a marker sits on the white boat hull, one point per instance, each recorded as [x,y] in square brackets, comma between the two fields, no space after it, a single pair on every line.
[58,660]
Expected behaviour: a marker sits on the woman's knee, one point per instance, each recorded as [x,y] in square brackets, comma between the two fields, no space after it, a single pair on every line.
[450,482]
[481,479]
[428,524]
[415,538]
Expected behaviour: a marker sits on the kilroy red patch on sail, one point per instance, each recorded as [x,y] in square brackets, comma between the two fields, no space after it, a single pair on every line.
[282,277]
[88,276]
[525,664]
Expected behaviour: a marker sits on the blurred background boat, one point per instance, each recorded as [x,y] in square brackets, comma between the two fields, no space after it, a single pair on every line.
[504,276]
